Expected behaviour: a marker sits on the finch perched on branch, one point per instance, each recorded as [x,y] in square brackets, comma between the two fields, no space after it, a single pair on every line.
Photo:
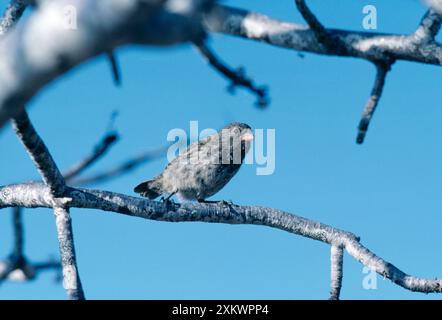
[204,168]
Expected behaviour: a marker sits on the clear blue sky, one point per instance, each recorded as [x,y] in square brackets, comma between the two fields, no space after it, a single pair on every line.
[388,191]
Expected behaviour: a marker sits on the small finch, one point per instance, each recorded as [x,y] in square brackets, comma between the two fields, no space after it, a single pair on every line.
[204,168]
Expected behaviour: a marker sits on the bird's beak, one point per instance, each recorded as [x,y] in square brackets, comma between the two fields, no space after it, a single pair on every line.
[248,136]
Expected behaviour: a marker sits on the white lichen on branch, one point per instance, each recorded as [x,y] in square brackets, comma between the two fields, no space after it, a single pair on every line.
[35,195]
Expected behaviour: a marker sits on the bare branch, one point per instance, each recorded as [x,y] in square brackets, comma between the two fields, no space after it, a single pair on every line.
[364,45]
[115,67]
[12,13]
[105,26]
[237,77]
[370,107]
[71,278]
[435,5]
[54,180]
[336,261]
[99,151]
[39,154]
[37,195]
[6,267]
[17,221]
[428,27]
[16,267]
[322,34]
[125,167]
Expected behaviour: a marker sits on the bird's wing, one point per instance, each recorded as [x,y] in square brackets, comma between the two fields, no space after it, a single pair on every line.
[192,150]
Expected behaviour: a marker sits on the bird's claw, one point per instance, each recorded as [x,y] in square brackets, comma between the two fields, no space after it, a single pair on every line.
[226,203]
[167,201]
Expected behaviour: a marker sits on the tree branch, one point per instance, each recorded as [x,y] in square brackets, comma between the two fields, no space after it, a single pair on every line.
[71,278]
[370,107]
[17,221]
[322,35]
[237,77]
[16,266]
[54,180]
[12,13]
[336,261]
[435,5]
[364,45]
[98,152]
[35,195]
[105,25]
[38,152]
[428,27]
[125,167]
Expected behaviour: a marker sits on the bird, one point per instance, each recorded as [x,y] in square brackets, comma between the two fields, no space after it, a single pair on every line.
[204,168]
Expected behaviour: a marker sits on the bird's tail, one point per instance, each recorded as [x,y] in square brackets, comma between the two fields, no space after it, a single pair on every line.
[146,189]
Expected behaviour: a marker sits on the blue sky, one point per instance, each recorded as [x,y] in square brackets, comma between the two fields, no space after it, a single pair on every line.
[387,191]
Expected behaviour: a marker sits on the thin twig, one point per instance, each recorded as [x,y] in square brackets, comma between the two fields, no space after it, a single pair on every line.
[237,77]
[316,26]
[125,167]
[17,222]
[321,33]
[336,272]
[99,151]
[115,67]
[429,26]
[370,107]
[16,267]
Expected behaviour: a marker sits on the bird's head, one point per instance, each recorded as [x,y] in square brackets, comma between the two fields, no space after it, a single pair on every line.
[237,137]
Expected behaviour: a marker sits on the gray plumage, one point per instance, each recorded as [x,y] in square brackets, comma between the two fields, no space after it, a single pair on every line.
[204,168]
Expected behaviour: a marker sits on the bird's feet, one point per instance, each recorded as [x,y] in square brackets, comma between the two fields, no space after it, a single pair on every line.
[224,203]
[168,201]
